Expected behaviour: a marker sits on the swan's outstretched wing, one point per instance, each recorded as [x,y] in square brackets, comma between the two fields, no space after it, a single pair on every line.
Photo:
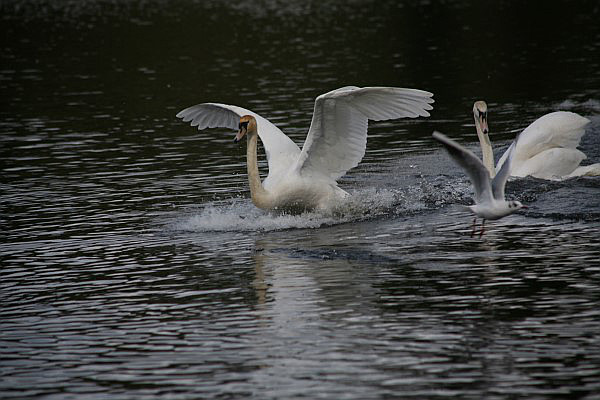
[561,129]
[281,150]
[471,164]
[337,137]
[499,181]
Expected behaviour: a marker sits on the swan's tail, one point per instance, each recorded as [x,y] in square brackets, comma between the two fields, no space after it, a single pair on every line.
[586,170]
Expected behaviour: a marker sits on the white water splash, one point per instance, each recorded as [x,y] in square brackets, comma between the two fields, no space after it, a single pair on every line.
[587,105]
[242,216]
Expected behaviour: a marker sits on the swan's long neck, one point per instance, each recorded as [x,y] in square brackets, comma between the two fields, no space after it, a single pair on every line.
[486,150]
[260,197]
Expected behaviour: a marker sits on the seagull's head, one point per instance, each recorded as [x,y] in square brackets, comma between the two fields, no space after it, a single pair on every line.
[480,115]
[516,205]
[247,123]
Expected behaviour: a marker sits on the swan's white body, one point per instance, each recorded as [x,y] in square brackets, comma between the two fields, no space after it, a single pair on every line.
[336,142]
[547,149]
[489,193]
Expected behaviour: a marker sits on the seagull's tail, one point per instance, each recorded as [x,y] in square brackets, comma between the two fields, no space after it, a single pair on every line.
[466,208]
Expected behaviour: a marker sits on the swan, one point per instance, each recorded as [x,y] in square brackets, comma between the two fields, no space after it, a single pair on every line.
[547,148]
[306,179]
[489,193]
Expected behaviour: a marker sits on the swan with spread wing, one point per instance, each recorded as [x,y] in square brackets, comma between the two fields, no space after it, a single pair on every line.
[306,179]
[547,149]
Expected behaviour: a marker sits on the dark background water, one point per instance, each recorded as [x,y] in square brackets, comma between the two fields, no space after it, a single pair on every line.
[133,264]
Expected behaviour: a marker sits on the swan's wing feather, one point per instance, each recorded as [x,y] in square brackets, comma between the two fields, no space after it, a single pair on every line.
[471,164]
[211,115]
[499,181]
[562,129]
[281,151]
[554,164]
[337,137]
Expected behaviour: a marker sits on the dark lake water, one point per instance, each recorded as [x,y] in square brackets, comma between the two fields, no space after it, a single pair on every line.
[134,266]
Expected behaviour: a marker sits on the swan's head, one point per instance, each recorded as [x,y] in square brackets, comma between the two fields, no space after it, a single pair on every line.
[516,205]
[247,123]
[480,115]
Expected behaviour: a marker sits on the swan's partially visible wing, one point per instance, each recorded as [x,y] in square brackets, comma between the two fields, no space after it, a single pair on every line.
[554,164]
[281,150]
[337,137]
[471,164]
[561,129]
[211,115]
[499,181]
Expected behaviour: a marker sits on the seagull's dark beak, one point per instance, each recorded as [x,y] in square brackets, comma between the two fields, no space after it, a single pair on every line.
[524,206]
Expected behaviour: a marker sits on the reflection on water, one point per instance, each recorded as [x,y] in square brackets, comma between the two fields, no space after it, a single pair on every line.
[133,264]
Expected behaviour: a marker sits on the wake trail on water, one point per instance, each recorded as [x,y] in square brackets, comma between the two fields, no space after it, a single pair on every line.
[395,195]
[241,215]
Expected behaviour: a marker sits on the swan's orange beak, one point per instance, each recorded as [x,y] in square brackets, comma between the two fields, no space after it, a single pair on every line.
[243,128]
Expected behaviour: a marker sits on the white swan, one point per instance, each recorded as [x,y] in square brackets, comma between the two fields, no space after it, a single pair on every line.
[489,193]
[547,148]
[305,179]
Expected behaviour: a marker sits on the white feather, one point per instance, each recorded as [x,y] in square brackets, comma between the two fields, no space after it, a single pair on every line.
[489,194]
[337,137]
[281,151]
[336,140]
[547,148]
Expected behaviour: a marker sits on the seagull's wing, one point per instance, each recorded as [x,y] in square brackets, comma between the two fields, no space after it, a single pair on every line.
[502,175]
[478,174]
[281,151]
[337,137]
